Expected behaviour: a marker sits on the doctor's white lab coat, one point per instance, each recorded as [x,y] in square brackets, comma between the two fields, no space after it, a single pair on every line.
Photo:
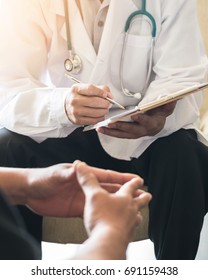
[33,49]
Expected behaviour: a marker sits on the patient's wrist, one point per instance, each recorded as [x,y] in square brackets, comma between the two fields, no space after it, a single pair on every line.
[115,235]
[14,184]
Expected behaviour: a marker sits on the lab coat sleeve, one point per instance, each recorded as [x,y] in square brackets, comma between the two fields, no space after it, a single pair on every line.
[27,105]
[179,61]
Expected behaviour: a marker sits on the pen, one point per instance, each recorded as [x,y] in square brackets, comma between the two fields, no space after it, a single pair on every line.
[109,99]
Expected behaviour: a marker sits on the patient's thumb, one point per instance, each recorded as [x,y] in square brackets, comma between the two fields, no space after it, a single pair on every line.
[86,178]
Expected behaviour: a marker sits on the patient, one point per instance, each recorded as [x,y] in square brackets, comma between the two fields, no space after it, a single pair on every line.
[109,201]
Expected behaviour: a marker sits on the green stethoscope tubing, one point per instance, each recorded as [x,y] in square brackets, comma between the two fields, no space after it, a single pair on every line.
[129,20]
[144,12]
[74,64]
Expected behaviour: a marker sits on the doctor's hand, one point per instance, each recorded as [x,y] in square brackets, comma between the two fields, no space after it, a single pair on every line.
[147,124]
[86,104]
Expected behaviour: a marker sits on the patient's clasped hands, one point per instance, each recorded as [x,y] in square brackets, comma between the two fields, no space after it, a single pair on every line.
[109,201]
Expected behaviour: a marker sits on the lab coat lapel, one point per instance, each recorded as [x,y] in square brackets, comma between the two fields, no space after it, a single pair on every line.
[57,7]
[114,26]
[79,37]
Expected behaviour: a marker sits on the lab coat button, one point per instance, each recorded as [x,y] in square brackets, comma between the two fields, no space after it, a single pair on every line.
[100,23]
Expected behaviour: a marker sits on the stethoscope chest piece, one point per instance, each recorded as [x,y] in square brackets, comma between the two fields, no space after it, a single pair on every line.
[73,64]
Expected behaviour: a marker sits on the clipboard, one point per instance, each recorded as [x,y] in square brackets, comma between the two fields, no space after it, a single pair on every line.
[149,106]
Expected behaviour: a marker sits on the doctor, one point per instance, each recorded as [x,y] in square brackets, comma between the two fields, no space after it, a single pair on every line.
[42,112]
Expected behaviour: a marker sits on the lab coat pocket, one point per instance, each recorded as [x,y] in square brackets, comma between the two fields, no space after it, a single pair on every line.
[136,57]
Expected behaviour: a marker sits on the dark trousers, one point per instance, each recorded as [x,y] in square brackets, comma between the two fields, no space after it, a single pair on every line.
[15,241]
[174,169]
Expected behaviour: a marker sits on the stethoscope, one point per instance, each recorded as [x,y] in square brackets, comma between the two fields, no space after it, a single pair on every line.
[73,63]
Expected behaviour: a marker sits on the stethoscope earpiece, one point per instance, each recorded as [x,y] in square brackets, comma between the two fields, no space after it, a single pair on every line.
[136,95]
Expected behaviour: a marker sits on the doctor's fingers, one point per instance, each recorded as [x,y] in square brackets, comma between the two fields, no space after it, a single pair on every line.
[107,90]
[92,102]
[142,126]
[84,115]
[164,110]
[151,124]
[128,130]
[90,90]
[90,117]
[84,112]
